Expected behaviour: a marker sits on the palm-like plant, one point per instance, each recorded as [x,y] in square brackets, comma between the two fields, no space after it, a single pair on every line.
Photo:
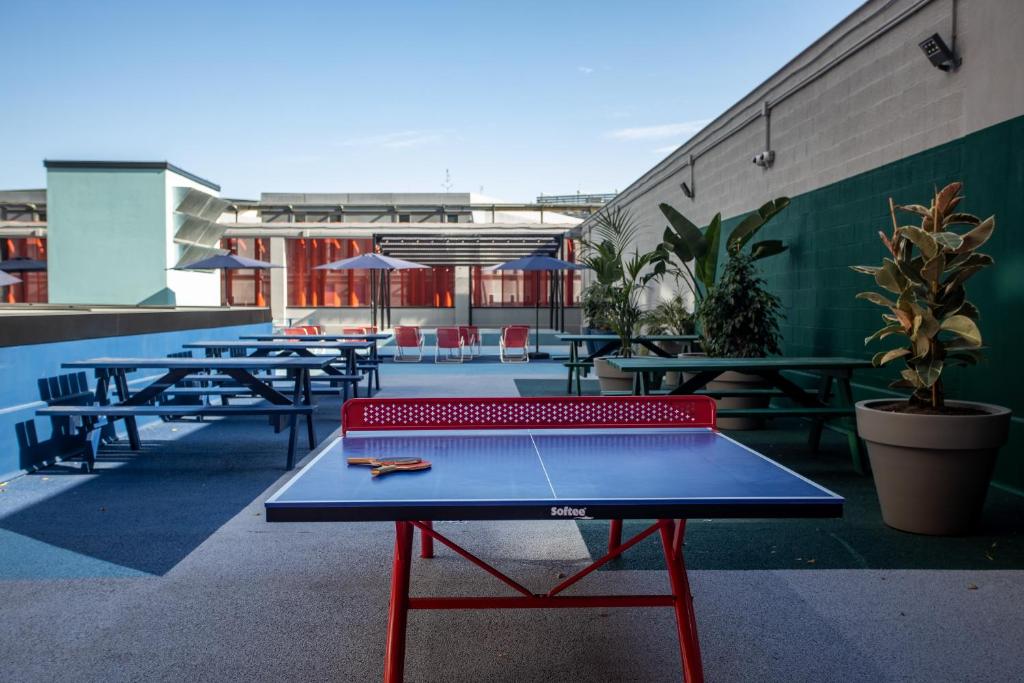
[683,243]
[670,317]
[614,231]
[625,312]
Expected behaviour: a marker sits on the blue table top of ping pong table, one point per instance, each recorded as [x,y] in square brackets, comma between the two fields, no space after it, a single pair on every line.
[549,474]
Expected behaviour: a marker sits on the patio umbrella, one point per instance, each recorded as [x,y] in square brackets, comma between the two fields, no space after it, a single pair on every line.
[537,263]
[227,261]
[22,264]
[6,279]
[371,261]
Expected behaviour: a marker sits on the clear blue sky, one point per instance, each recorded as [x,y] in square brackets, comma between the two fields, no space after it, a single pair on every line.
[516,97]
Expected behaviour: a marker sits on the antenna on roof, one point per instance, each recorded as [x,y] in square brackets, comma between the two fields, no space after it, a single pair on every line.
[447,184]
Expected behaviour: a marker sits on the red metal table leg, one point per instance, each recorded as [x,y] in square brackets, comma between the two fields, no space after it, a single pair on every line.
[398,612]
[427,541]
[615,534]
[686,623]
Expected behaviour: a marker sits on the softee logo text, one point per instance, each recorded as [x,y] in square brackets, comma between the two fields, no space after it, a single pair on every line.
[568,512]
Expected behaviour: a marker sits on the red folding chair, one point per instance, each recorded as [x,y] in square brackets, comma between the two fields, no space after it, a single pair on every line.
[408,337]
[448,348]
[295,330]
[470,336]
[514,344]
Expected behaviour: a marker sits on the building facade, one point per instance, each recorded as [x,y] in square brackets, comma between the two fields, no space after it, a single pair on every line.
[92,212]
[860,116]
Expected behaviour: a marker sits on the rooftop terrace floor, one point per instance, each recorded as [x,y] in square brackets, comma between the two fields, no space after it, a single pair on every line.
[160,566]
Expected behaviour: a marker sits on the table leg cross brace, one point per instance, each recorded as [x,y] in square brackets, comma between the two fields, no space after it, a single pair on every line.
[671,533]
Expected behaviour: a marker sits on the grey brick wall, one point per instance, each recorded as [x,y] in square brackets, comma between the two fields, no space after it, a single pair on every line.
[881,102]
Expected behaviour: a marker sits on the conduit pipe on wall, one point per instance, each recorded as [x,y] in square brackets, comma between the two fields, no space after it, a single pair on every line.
[644,186]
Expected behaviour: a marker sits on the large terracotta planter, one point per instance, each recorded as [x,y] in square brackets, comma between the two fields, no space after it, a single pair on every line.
[611,378]
[735,381]
[932,471]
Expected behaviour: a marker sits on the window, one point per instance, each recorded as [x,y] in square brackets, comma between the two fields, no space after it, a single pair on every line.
[326,288]
[246,286]
[32,288]
[453,218]
[423,287]
[307,287]
[515,288]
[404,218]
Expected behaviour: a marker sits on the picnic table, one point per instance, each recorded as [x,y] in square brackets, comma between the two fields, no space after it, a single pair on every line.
[374,337]
[610,343]
[370,363]
[822,405]
[347,374]
[114,401]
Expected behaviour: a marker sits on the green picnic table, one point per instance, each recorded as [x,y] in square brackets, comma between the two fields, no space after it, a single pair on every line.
[610,343]
[822,405]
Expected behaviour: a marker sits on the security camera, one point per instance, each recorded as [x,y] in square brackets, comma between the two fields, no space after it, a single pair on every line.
[764,159]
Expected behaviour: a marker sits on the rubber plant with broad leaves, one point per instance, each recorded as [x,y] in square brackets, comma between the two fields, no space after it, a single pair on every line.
[931,458]
[925,301]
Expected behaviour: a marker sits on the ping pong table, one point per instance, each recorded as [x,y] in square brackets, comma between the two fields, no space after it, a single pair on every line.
[561,458]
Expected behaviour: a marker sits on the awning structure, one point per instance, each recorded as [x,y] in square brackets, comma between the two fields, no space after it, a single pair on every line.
[196,226]
[446,249]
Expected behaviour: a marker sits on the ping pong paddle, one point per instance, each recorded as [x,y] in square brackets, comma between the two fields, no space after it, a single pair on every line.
[378,462]
[401,467]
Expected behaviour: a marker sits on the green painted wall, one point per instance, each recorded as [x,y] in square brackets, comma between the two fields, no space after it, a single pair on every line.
[836,226]
[107,236]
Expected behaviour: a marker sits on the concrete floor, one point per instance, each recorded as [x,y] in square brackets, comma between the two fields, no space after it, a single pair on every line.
[161,567]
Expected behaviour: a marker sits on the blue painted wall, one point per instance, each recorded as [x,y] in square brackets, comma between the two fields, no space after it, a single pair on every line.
[21,367]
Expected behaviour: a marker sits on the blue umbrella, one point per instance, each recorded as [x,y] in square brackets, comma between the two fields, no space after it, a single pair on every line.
[537,263]
[23,264]
[373,261]
[6,279]
[228,261]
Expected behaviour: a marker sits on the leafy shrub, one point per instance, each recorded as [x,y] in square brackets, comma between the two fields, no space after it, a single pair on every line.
[739,316]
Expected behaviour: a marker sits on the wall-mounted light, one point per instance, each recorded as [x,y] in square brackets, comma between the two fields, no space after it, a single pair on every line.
[686,190]
[938,53]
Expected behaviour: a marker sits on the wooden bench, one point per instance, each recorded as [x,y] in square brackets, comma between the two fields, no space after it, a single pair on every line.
[333,380]
[64,442]
[92,414]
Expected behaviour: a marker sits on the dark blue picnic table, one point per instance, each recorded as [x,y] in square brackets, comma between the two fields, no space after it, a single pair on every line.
[114,400]
[349,371]
[374,337]
[821,405]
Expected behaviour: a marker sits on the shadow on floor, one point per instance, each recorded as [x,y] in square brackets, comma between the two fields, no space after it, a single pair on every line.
[148,510]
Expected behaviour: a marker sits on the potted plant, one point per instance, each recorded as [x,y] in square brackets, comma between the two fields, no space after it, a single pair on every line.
[614,296]
[738,317]
[603,253]
[624,316]
[932,458]
[670,317]
[594,304]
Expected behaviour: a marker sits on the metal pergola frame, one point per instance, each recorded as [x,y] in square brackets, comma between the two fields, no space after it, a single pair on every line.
[445,249]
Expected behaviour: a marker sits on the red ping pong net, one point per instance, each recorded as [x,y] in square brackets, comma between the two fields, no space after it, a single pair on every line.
[384,414]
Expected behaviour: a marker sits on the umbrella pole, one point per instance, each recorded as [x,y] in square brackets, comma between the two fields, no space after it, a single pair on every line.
[536,320]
